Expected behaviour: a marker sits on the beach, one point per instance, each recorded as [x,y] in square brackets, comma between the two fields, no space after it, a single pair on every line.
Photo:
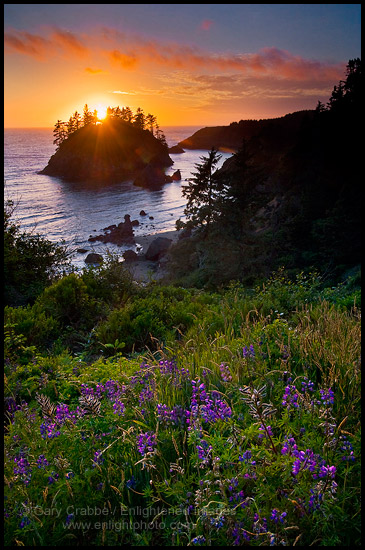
[145,271]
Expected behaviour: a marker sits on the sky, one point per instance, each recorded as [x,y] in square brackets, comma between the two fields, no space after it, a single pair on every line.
[188,64]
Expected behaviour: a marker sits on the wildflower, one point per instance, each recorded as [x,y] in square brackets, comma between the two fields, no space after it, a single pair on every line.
[307,385]
[52,478]
[146,442]
[266,432]
[217,522]
[276,516]
[69,518]
[327,396]
[118,407]
[290,397]
[98,458]
[49,430]
[327,471]
[25,521]
[225,373]
[42,462]
[198,540]
[131,483]
[296,467]
[248,352]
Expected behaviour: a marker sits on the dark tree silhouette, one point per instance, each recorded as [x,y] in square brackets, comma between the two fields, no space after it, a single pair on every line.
[205,193]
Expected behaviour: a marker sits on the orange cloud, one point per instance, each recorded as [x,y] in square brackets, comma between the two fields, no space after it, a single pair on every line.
[35,45]
[94,71]
[68,41]
[267,62]
[26,43]
[127,61]
[129,51]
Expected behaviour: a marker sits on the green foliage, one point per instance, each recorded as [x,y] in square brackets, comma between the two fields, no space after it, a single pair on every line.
[225,478]
[31,262]
[67,301]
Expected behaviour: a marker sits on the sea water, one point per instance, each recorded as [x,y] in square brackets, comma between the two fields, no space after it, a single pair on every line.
[70,212]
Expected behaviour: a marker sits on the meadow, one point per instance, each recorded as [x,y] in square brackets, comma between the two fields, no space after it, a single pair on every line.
[183,417]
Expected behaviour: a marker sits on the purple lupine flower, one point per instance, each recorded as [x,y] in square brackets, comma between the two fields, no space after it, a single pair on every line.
[245,456]
[146,442]
[22,468]
[198,540]
[52,478]
[296,467]
[276,516]
[69,518]
[98,458]
[49,429]
[248,352]
[307,385]
[42,462]
[131,483]
[225,373]
[25,521]
[118,407]
[327,396]
[290,397]
[266,432]
[327,471]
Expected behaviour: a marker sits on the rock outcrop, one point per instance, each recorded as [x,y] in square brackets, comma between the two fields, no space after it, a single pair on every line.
[118,234]
[110,152]
[176,150]
[94,258]
[158,248]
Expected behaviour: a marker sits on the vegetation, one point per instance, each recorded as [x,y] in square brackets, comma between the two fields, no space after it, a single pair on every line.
[289,196]
[184,417]
[31,262]
[63,130]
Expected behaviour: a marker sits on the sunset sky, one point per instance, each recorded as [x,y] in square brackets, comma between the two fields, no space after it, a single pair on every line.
[188,64]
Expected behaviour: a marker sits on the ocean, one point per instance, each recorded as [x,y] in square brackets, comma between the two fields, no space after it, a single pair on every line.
[70,212]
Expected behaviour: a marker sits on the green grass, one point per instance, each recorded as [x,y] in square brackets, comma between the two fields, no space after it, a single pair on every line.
[222,465]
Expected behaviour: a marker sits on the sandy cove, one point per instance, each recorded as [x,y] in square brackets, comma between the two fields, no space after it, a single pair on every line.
[145,271]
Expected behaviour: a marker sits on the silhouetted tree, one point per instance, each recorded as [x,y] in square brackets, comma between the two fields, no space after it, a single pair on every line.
[160,135]
[88,116]
[59,132]
[127,114]
[205,192]
[150,122]
[77,120]
[139,119]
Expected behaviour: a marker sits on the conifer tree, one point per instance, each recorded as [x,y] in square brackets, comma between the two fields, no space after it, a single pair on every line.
[139,119]
[60,133]
[88,116]
[150,122]
[127,114]
[204,192]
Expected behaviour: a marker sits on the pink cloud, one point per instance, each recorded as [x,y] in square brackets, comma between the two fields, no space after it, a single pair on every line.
[37,46]
[206,24]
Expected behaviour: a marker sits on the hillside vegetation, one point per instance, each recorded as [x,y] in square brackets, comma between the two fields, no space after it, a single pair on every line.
[290,195]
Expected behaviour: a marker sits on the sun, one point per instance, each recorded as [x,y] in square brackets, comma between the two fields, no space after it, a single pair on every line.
[101,111]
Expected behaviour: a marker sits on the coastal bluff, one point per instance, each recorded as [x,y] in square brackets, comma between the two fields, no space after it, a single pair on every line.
[229,138]
[113,151]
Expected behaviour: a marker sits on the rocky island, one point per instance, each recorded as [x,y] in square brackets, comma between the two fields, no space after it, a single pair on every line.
[112,151]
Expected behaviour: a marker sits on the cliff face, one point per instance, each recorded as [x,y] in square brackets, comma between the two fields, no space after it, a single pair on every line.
[112,151]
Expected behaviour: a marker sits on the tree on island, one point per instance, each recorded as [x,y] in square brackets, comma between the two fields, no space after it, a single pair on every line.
[63,130]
